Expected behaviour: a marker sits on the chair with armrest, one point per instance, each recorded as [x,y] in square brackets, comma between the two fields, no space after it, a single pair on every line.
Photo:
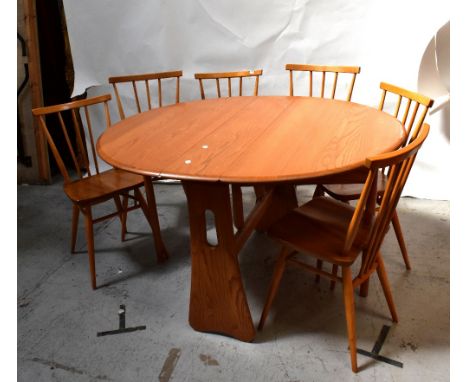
[339,234]
[412,117]
[350,71]
[91,189]
[238,209]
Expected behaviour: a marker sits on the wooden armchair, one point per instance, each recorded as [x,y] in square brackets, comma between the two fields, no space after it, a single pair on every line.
[412,116]
[238,210]
[90,189]
[339,234]
[146,78]
[229,76]
[350,71]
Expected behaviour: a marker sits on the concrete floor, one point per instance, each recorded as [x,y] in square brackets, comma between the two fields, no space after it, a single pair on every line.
[304,338]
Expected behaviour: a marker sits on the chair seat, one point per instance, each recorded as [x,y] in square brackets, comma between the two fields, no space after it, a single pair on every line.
[346,192]
[319,228]
[101,186]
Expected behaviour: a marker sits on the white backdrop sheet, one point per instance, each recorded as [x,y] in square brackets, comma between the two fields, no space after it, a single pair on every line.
[402,42]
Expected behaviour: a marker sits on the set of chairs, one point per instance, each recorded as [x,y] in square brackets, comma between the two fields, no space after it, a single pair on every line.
[328,228]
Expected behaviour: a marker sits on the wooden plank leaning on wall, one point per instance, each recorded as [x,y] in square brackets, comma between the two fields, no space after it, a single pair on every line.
[35,84]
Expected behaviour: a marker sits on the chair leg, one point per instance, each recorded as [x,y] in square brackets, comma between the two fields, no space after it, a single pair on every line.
[150,210]
[319,191]
[75,217]
[260,191]
[348,294]
[364,289]
[386,287]
[275,281]
[90,240]
[124,216]
[318,265]
[401,240]
[237,206]
[334,272]
[121,210]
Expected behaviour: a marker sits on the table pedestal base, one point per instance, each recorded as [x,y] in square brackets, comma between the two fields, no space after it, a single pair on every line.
[218,303]
[217,299]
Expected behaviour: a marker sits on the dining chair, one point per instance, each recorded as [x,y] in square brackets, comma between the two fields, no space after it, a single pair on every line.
[339,234]
[349,72]
[412,116]
[137,79]
[87,187]
[236,190]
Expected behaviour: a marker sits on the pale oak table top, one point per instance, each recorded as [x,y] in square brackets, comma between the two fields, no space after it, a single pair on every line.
[250,139]
[271,142]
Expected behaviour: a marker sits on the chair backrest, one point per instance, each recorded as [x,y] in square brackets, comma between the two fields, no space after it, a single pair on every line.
[80,154]
[412,115]
[351,71]
[229,76]
[399,163]
[146,78]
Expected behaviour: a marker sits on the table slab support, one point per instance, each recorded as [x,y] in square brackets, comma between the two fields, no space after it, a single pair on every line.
[218,303]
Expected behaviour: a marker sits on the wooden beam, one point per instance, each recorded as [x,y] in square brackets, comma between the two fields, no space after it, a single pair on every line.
[35,83]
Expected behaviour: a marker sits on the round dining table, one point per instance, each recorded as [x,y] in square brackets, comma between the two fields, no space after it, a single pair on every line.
[270,142]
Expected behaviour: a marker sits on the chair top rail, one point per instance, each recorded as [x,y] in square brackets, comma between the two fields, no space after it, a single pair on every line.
[244,73]
[420,98]
[146,76]
[323,68]
[71,105]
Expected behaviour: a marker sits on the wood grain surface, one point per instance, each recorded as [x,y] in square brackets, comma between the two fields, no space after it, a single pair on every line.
[250,139]
[243,140]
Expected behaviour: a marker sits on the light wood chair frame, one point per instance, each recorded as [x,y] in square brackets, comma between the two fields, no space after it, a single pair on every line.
[412,116]
[229,76]
[399,163]
[146,78]
[132,182]
[323,69]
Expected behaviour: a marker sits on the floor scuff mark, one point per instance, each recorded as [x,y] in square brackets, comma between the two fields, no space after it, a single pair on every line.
[169,365]
[405,345]
[71,369]
[208,361]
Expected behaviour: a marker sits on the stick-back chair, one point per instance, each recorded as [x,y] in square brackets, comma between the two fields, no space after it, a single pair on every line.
[136,79]
[321,71]
[87,186]
[339,234]
[229,76]
[411,115]
[238,210]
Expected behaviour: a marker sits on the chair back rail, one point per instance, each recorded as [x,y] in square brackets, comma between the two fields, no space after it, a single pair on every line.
[74,109]
[228,76]
[323,69]
[146,78]
[399,163]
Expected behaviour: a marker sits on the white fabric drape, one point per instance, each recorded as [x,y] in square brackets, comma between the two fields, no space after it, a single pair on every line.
[392,41]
